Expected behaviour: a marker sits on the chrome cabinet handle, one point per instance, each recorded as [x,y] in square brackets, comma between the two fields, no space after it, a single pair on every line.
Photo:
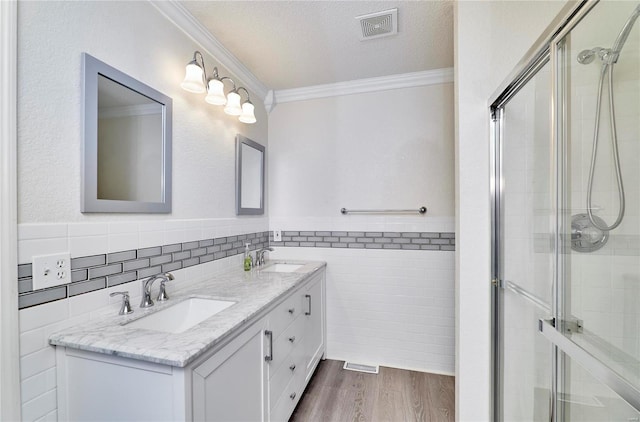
[292,339]
[309,299]
[292,396]
[269,334]
[293,367]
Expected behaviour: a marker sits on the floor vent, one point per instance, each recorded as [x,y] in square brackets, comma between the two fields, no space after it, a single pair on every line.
[369,369]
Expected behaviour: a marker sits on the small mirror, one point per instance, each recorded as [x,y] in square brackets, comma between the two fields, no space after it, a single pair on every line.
[127,143]
[249,177]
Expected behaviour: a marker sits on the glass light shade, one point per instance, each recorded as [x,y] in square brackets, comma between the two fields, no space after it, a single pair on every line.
[216,93]
[233,104]
[193,79]
[247,115]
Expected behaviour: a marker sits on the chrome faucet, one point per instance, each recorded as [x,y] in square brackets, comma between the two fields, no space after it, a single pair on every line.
[125,308]
[147,302]
[260,256]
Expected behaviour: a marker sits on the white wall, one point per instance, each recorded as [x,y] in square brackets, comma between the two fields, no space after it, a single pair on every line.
[386,149]
[490,39]
[136,39]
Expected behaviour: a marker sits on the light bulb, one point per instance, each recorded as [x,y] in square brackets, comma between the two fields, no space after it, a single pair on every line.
[247,115]
[193,78]
[216,93]
[233,104]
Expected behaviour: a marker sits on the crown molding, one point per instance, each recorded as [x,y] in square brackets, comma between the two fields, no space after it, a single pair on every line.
[270,101]
[188,24]
[383,83]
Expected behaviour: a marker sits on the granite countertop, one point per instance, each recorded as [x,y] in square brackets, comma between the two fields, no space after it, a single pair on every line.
[253,291]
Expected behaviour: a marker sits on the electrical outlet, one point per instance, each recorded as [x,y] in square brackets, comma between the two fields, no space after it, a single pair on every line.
[51,270]
[277,235]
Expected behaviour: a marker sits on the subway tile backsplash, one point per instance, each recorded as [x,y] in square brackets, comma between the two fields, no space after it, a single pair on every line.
[95,272]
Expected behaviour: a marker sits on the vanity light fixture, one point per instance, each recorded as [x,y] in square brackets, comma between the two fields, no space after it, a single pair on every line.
[197,81]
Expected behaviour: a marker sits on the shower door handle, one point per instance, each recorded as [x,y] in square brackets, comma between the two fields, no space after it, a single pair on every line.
[599,370]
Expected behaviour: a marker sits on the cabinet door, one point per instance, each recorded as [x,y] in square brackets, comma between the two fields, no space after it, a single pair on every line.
[231,385]
[314,314]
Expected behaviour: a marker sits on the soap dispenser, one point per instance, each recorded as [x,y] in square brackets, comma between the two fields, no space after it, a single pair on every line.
[248,260]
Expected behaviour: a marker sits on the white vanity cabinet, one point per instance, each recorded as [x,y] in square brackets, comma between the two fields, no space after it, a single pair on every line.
[258,374]
[230,385]
[298,331]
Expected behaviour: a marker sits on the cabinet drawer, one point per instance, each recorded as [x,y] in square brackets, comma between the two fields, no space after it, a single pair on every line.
[284,343]
[284,314]
[292,365]
[288,399]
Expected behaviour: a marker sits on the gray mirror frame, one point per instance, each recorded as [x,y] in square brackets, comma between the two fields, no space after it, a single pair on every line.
[240,140]
[91,69]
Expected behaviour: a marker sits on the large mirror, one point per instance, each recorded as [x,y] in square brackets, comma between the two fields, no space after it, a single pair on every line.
[127,143]
[249,177]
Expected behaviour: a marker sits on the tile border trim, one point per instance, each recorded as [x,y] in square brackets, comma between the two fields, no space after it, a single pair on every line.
[424,241]
[96,272]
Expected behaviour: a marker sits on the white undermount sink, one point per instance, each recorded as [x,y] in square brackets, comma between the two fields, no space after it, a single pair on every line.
[181,316]
[282,268]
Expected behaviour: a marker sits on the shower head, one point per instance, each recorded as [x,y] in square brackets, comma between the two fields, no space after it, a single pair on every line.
[611,55]
[587,56]
[624,34]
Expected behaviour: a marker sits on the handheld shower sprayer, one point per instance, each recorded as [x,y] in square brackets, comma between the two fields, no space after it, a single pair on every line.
[624,34]
[609,57]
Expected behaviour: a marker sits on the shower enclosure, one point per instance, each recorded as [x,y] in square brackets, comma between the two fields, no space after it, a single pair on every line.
[566,222]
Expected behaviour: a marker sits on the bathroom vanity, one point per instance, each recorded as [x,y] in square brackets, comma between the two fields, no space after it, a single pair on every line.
[250,361]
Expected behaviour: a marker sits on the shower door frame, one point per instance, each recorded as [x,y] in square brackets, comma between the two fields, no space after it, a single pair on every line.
[546,49]
[538,55]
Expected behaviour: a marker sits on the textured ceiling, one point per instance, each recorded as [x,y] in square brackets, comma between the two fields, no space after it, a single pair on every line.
[292,44]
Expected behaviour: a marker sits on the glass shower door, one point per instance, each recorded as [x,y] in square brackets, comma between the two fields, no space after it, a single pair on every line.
[599,65]
[566,223]
[526,251]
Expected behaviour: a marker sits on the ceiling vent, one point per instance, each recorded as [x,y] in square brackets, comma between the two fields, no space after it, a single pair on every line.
[378,24]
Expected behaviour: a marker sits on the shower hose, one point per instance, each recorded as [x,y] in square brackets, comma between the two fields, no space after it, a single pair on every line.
[607,68]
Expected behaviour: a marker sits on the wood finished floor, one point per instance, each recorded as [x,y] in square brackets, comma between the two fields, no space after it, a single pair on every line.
[334,394]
